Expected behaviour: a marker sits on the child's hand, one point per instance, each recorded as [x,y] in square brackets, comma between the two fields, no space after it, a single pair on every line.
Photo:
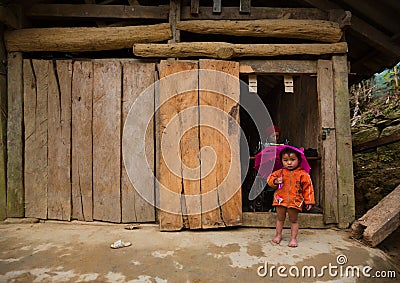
[309,206]
[278,181]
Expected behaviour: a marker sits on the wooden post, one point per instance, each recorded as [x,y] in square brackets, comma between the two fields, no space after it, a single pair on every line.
[3,130]
[15,188]
[174,17]
[328,147]
[346,202]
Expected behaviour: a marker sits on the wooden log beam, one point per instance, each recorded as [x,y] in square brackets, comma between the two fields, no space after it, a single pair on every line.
[84,39]
[323,31]
[94,11]
[223,50]
[380,221]
[232,13]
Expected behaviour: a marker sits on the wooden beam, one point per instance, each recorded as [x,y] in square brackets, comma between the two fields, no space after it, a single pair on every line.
[322,31]
[380,221]
[346,202]
[377,12]
[93,11]
[278,67]
[373,36]
[268,220]
[377,142]
[225,50]
[15,187]
[83,38]
[232,13]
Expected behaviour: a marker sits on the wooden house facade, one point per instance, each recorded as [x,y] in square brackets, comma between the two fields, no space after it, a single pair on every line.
[84,80]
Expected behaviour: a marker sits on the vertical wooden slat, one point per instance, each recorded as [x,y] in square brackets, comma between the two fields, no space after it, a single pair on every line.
[327,114]
[226,146]
[174,17]
[217,6]
[346,202]
[210,140]
[59,139]
[194,7]
[170,198]
[107,141]
[189,146]
[82,91]
[136,78]
[244,6]
[3,129]
[15,188]
[35,117]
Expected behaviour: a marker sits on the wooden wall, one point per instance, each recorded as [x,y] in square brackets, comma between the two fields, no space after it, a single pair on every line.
[73,116]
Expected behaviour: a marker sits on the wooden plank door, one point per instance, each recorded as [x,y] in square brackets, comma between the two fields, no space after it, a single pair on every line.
[327,114]
[137,77]
[199,163]
[74,114]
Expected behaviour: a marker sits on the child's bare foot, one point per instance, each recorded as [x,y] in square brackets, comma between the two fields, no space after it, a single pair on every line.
[293,243]
[277,239]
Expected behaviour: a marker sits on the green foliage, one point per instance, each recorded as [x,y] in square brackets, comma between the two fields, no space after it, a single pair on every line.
[376,97]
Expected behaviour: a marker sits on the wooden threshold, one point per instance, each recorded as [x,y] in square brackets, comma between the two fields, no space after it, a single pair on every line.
[268,220]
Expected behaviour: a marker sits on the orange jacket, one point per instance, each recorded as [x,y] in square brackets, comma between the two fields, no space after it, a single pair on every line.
[297,188]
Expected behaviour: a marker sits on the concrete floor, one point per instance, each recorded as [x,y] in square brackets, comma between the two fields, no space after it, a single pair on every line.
[79,252]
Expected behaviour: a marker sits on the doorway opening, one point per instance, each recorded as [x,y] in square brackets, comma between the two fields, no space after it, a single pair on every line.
[297,115]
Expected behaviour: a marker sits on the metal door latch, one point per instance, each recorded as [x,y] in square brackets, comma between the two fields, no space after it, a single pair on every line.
[326,132]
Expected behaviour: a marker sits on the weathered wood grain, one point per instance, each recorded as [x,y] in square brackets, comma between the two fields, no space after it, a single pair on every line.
[278,66]
[316,30]
[232,13]
[82,39]
[346,202]
[170,102]
[268,219]
[15,186]
[380,221]
[223,50]
[93,11]
[328,164]
[136,78]
[3,132]
[226,181]
[107,78]
[82,159]
[59,141]
[36,87]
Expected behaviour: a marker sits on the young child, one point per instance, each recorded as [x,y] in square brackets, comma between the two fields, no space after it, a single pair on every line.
[293,189]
